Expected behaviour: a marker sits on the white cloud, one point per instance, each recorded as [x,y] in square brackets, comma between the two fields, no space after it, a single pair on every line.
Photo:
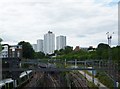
[29,20]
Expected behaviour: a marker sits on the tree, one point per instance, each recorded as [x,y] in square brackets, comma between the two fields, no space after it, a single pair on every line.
[115,53]
[27,49]
[102,51]
[103,46]
[91,48]
[39,55]
[68,49]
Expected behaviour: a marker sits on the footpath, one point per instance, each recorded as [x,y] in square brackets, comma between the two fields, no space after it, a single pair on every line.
[96,81]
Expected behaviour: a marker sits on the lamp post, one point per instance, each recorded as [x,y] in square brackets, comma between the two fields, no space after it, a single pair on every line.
[109,37]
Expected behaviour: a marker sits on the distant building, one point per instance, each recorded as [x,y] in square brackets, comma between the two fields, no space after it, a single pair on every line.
[84,48]
[34,47]
[40,45]
[60,42]
[77,48]
[49,43]
[15,51]
[4,52]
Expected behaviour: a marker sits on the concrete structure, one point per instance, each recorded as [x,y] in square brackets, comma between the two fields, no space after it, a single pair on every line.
[34,47]
[11,51]
[49,43]
[4,52]
[60,42]
[40,45]
[119,23]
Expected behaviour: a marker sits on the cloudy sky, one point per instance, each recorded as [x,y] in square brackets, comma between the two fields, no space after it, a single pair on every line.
[84,22]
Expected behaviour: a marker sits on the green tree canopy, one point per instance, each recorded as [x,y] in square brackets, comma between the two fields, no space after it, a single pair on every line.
[27,49]
[102,51]
[116,53]
[103,46]
[39,55]
[68,49]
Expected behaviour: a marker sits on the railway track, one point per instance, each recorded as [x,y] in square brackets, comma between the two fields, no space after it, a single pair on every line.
[33,82]
[78,81]
[54,80]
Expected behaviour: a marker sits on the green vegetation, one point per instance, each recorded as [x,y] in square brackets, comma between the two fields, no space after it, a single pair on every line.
[119,86]
[92,85]
[60,65]
[67,50]
[103,78]
[39,55]
[89,83]
[101,52]
[27,49]
[25,66]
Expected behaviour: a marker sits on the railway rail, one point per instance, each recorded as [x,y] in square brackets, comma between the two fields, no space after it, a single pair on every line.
[78,80]
[55,82]
[33,82]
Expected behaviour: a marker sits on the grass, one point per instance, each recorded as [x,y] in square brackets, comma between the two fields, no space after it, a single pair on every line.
[89,83]
[92,85]
[103,78]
